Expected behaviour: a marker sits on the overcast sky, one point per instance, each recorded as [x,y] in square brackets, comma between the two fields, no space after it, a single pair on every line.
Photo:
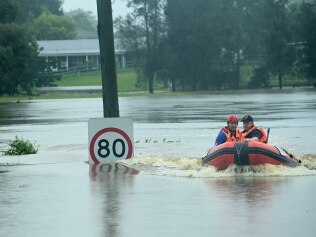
[118,6]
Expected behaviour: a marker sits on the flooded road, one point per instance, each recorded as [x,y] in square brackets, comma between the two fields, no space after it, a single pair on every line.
[163,191]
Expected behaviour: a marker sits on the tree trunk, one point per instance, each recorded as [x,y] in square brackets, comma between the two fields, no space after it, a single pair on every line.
[182,85]
[149,76]
[173,85]
[151,83]
[193,85]
[152,49]
[280,76]
[237,71]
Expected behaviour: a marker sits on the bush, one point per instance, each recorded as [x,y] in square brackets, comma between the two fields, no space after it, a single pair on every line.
[20,146]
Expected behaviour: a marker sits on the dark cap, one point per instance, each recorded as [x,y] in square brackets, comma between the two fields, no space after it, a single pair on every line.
[247,118]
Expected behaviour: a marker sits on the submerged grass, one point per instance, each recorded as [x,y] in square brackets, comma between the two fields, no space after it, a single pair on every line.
[21,146]
[74,95]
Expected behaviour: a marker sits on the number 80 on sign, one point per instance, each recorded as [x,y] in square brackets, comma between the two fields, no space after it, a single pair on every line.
[109,145]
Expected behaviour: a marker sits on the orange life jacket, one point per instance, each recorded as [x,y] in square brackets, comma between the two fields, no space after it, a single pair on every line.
[230,137]
[263,139]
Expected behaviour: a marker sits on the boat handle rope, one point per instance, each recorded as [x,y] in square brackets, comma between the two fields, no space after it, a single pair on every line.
[238,151]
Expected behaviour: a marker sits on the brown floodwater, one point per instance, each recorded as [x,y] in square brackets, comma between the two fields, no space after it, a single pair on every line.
[163,190]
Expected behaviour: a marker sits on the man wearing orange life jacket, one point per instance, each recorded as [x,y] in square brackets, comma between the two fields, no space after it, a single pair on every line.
[251,132]
[230,133]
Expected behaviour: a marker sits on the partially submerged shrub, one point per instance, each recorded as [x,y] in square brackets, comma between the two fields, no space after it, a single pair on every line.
[20,146]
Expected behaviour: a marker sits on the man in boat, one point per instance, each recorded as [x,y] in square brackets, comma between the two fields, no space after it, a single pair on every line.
[251,132]
[230,133]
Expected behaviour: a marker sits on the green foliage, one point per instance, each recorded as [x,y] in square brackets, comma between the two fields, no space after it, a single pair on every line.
[260,78]
[279,55]
[8,10]
[45,75]
[43,19]
[21,146]
[28,10]
[307,16]
[143,30]
[86,23]
[130,36]
[52,27]
[209,43]
[196,46]
[20,67]
[17,57]
[199,42]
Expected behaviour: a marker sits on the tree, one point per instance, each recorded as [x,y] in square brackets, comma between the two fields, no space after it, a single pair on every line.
[279,55]
[243,38]
[44,19]
[86,23]
[52,27]
[8,10]
[208,42]
[308,34]
[20,67]
[197,43]
[28,10]
[130,36]
[149,17]
[16,56]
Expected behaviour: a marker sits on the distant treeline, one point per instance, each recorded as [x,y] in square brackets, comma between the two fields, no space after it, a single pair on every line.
[187,44]
[216,44]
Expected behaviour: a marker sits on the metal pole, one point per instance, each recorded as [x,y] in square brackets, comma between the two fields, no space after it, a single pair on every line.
[107,55]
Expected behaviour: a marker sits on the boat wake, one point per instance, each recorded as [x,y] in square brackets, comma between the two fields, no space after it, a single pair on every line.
[192,167]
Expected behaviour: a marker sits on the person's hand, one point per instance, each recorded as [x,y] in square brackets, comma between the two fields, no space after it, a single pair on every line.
[247,139]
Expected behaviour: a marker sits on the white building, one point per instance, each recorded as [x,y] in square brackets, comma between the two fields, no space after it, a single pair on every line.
[78,54]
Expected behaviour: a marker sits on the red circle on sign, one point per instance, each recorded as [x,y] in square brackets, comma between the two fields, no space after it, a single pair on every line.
[105,130]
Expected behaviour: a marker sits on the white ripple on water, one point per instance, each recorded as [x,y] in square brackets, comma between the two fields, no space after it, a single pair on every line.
[192,167]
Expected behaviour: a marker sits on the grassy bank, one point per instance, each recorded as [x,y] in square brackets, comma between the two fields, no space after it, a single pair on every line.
[126,79]
[127,86]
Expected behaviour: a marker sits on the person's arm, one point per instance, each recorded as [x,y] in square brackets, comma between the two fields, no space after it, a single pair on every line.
[220,139]
[255,136]
[252,139]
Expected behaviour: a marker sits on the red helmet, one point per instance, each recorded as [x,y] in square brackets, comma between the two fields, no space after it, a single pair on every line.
[232,118]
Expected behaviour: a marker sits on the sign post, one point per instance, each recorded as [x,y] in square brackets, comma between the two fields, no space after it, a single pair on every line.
[107,55]
[111,137]
[110,140]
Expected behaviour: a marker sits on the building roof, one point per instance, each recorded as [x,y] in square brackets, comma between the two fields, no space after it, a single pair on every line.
[72,47]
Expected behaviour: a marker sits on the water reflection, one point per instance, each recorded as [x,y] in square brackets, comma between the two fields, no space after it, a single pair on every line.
[111,169]
[248,197]
[109,185]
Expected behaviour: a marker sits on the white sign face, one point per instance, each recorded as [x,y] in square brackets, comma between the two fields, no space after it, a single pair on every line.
[110,139]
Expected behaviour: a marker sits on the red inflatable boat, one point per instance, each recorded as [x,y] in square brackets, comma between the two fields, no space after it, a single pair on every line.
[248,153]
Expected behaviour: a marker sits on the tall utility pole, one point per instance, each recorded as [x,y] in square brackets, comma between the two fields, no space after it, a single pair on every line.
[107,54]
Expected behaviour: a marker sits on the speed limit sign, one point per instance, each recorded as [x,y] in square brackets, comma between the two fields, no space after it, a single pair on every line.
[110,140]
